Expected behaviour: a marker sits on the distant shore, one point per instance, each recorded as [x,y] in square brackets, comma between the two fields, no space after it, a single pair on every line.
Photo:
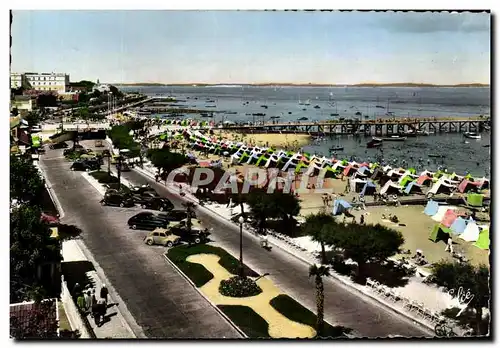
[469,85]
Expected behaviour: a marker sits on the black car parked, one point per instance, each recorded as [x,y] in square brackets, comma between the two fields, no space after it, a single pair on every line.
[177,215]
[195,236]
[118,200]
[147,221]
[149,200]
[139,190]
[85,165]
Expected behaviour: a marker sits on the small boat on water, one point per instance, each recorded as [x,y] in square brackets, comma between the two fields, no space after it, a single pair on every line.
[304,109]
[433,155]
[486,127]
[210,106]
[205,115]
[357,114]
[375,142]
[380,107]
[487,145]
[336,148]
[394,138]
[334,114]
[317,107]
[274,117]
[231,112]
[302,119]
[210,101]
[472,135]
[264,106]
[259,114]
[289,112]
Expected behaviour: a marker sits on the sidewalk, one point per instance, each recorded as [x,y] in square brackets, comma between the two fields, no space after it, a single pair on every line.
[116,327]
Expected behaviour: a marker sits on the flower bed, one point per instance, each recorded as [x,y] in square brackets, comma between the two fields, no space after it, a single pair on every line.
[196,272]
[296,312]
[239,287]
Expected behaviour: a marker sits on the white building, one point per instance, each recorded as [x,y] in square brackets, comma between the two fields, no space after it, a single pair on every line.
[17,80]
[58,82]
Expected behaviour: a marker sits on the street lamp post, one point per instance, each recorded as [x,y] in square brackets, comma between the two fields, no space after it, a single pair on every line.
[241,220]
[119,170]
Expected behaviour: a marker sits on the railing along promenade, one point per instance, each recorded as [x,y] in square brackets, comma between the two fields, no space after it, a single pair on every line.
[376,127]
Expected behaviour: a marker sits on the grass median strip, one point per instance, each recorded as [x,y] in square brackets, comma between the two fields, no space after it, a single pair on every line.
[252,324]
[198,273]
[296,312]
[108,179]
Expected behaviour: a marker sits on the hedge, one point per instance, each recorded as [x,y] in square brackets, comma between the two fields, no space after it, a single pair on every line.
[198,273]
[296,312]
[252,324]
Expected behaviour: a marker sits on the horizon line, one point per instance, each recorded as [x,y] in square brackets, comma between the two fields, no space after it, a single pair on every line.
[300,84]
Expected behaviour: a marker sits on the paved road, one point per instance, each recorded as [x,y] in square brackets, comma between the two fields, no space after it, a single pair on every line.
[161,301]
[343,305]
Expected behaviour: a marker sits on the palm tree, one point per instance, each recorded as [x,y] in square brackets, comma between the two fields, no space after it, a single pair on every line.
[318,272]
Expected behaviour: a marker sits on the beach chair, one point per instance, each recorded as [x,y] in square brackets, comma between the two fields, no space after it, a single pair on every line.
[370,283]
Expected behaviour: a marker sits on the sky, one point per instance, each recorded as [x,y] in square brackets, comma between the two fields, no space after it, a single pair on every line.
[254,46]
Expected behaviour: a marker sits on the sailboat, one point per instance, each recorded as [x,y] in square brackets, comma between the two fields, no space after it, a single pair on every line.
[389,113]
[308,102]
[336,113]
[337,147]
[379,106]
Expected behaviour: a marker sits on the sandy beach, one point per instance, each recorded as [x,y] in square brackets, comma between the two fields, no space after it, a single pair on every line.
[266,140]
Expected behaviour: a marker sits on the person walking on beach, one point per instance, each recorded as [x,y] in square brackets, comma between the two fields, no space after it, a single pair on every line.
[362,219]
[449,245]
[80,302]
[104,293]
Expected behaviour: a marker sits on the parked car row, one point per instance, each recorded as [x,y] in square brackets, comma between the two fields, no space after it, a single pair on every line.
[178,233]
[146,197]
[86,165]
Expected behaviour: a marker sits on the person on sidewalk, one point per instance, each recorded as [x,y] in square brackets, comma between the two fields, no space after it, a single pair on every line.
[104,293]
[93,300]
[77,289]
[88,301]
[101,311]
[80,302]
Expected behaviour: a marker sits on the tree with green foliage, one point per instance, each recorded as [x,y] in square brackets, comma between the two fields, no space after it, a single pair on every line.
[166,161]
[319,227]
[31,246]
[26,183]
[116,92]
[33,118]
[474,282]
[272,206]
[366,243]
[318,272]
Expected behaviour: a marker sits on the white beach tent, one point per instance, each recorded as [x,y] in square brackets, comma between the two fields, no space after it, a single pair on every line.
[471,232]
[386,169]
[428,173]
[440,184]
[390,188]
[442,209]
[338,165]
[357,184]
[292,162]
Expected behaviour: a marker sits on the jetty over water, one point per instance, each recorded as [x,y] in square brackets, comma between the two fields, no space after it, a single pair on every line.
[377,127]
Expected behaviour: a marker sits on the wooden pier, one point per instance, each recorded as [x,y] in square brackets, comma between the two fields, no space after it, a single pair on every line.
[370,128]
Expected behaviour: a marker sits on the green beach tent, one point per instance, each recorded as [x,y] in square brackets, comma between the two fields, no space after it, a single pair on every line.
[373,165]
[299,166]
[344,162]
[483,242]
[406,180]
[439,232]
[475,199]
[412,171]
[262,160]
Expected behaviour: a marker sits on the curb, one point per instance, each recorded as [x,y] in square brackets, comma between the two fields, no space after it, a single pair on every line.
[138,333]
[53,197]
[205,297]
[299,257]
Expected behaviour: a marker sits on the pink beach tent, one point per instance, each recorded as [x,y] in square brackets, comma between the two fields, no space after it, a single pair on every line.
[422,179]
[464,185]
[449,217]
